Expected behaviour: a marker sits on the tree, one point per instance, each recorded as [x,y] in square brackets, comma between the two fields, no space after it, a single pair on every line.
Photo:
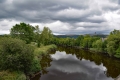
[86,41]
[111,48]
[117,53]
[113,42]
[98,45]
[15,55]
[46,35]
[23,31]
[37,35]
[79,40]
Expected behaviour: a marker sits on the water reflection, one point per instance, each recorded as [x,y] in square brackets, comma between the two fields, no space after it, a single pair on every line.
[68,67]
[75,64]
[112,65]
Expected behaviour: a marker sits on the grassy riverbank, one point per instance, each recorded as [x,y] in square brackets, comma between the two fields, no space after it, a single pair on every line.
[38,52]
[7,75]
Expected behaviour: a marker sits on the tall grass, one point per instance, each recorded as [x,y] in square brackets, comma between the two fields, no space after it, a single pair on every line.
[44,49]
[7,75]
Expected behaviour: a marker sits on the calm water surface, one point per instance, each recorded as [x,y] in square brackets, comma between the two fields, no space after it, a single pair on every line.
[75,64]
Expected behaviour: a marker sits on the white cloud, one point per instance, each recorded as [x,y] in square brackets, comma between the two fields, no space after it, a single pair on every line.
[72,13]
[6,25]
[113,19]
[56,27]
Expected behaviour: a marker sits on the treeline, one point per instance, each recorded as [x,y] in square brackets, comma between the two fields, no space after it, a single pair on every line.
[110,44]
[29,33]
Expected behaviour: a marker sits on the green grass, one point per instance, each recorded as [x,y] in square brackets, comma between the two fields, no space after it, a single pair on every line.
[44,49]
[7,75]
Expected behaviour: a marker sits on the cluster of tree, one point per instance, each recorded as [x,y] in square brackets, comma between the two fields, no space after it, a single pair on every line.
[82,41]
[16,52]
[110,44]
[31,33]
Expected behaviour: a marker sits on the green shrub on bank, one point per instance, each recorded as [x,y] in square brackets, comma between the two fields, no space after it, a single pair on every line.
[35,67]
[15,55]
[44,49]
[6,75]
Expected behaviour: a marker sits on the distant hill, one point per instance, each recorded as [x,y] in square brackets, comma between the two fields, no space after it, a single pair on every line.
[65,36]
[75,36]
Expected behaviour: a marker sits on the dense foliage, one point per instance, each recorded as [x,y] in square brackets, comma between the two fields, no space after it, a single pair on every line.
[23,31]
[113,45]
[109,44]
[15,55]
[31,33]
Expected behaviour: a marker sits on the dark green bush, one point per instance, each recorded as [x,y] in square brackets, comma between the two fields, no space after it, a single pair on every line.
[15,55]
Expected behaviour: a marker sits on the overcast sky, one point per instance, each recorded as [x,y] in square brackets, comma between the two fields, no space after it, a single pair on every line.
[62,16]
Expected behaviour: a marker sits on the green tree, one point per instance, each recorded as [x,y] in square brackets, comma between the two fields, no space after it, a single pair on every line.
[117,53]
[79,40]
[111,48]
[37,35]
[23,31]
[98,45]
[46,36]
[85,43]
[113,42]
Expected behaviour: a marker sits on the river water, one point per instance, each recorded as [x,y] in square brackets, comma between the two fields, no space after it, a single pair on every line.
[76,64]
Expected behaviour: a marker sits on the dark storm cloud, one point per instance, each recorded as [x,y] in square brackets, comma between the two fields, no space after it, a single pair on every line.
[2,1]
[44,10]
[65,11]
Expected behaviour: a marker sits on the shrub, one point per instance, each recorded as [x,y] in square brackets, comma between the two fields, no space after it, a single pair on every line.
[15,55]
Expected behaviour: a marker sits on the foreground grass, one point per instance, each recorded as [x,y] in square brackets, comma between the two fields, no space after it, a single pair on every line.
[7,75]
[43,50]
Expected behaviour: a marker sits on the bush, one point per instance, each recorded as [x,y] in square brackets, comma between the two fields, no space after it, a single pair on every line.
[15,55]
[6,75]
[35,67]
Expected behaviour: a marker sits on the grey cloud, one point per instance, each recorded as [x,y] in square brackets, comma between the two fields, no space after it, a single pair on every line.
[46,11]
[2,1]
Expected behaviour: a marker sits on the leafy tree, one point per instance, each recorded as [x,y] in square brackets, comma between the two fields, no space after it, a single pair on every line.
[79,40]
[117,53]
[111,48]
[15,55]
[23,31]
[46,36]
[113,42]
[85,43]
[37,35]
[98,45]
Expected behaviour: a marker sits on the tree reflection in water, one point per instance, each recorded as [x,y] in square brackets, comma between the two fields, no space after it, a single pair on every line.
[112,65]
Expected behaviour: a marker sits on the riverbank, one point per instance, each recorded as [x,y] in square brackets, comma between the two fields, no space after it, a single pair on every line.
[118,78]
[38,52]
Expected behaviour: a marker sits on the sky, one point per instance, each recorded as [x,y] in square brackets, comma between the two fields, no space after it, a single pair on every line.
[62,16]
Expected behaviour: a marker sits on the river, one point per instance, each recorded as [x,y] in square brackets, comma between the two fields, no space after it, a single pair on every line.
[75,64]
